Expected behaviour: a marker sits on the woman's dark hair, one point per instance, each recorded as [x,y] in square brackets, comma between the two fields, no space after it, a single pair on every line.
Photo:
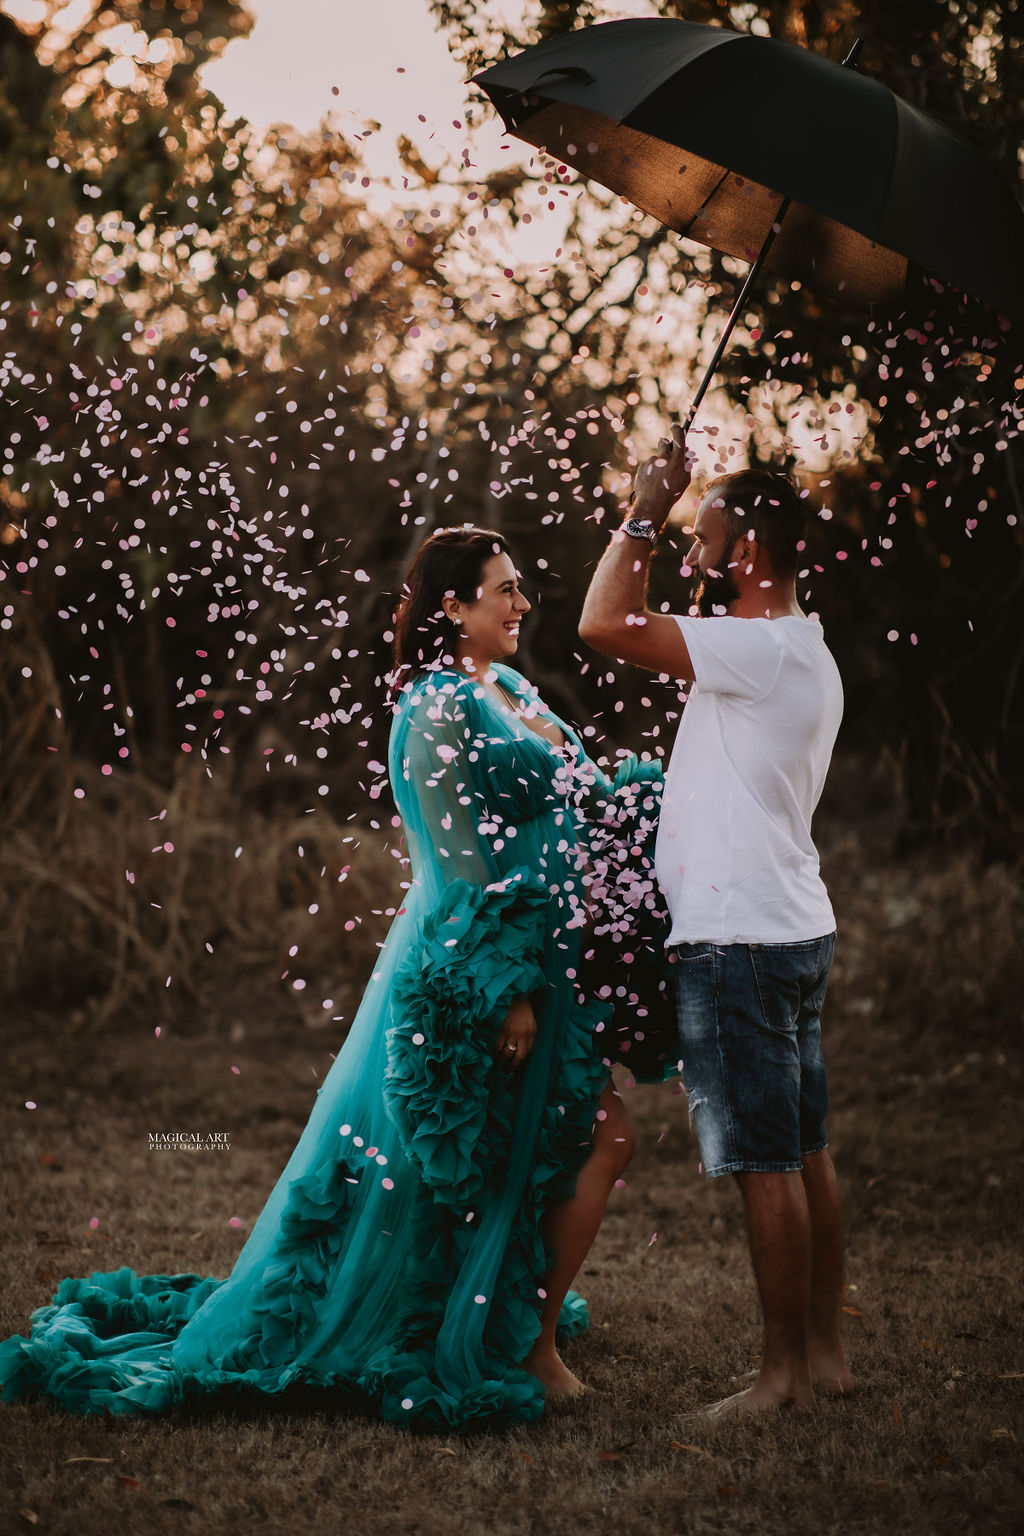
[770,505]
[449,564]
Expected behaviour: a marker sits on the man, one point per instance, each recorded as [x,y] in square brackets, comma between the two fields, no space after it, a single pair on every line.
[752,925]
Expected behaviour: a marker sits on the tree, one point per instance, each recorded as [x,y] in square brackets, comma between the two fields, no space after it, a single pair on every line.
[928,509]
[235,390]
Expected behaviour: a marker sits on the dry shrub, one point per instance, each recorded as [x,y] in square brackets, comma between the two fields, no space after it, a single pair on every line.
[934,945]
[99,916]
[137,898]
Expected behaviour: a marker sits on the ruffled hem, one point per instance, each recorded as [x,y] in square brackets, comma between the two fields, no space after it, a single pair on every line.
[103,1345]
[68,1360]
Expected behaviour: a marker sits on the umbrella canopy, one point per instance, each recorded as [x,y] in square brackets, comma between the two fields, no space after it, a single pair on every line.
[716,132]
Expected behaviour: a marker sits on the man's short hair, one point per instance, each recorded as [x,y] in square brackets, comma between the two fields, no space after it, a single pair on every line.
[769,504]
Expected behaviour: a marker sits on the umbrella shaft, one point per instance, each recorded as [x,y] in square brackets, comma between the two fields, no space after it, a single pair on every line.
[737,309]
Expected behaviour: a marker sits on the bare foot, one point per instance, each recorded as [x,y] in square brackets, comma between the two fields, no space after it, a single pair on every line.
[830,1372]
[827,1378]
[555,1376]
[757,1399]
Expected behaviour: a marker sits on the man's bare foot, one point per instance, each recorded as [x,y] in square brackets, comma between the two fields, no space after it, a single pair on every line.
[555,1376]
[830,1372]
[827,1378]
[757,1399]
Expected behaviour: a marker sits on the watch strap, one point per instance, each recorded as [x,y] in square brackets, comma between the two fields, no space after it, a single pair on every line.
[640,528]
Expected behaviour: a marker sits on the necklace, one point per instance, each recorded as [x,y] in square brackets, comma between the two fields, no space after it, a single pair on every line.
[513,700]
[518,708]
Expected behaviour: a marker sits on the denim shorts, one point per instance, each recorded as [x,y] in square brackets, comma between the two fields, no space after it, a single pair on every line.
[750,1033]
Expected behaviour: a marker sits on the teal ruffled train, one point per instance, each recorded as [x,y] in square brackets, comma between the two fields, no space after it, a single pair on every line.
[398,1266]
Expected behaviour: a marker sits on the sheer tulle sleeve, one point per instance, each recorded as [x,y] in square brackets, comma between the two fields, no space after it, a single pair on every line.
[461,789]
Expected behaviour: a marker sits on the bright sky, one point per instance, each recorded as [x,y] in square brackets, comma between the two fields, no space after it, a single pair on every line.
[357,60]
[377,61]
[363,60]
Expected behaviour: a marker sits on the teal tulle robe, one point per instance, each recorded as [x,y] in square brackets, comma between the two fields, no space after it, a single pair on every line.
[398,1265]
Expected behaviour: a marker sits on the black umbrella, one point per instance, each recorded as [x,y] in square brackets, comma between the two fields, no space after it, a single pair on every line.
[772,154]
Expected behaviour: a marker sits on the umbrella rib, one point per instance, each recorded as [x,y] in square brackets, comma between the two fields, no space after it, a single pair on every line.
[741,299]
[714,190]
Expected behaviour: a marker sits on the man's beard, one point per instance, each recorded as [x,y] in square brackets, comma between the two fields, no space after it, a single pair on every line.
[716,591]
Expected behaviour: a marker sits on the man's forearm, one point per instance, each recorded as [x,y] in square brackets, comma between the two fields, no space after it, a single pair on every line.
[615,618]
[618,590]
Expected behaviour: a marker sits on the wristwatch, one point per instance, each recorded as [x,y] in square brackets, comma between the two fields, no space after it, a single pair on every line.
[640,528]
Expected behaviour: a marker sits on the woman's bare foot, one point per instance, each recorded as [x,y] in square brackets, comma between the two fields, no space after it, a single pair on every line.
[555,1376]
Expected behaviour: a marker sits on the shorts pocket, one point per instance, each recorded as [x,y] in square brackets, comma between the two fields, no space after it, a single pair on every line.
[696,979]
[780,974]
[693,954]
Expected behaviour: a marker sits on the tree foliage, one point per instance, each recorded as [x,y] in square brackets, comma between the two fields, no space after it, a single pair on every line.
[237,390]
[931,501]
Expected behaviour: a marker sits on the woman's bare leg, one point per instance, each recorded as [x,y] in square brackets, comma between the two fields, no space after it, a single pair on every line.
[570,1229]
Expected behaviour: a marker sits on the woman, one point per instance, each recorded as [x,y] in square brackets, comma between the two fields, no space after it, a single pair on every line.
[415,1257]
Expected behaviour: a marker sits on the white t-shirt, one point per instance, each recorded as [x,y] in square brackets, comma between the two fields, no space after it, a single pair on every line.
[734,854]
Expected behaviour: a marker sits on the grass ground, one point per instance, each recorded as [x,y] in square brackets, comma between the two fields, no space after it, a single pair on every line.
[923,1038]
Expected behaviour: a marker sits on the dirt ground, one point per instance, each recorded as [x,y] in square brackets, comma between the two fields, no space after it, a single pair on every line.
[923,1038]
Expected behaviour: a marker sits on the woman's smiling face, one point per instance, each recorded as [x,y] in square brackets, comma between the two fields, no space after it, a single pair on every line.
[489,627]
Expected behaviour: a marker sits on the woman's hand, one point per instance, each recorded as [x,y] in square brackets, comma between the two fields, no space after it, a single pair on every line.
[514,1040]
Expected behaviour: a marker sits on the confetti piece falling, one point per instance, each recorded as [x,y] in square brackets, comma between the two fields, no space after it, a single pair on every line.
[184,487]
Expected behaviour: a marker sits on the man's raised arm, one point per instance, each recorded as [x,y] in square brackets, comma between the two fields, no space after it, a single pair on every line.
[615,619]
